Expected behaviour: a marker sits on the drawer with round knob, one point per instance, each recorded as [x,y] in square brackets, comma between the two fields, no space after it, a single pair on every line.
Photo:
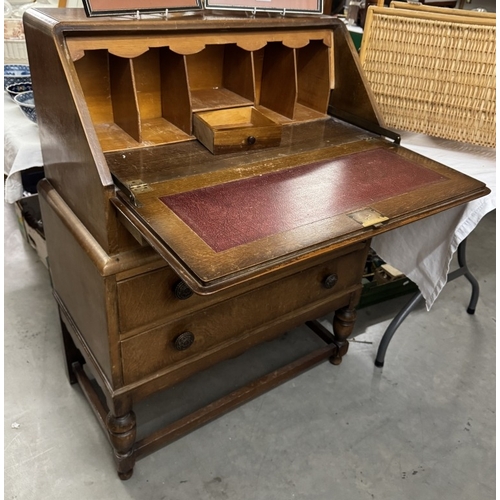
[153,298]
[237,318]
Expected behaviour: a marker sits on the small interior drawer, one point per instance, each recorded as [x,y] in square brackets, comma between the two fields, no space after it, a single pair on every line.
[235,129]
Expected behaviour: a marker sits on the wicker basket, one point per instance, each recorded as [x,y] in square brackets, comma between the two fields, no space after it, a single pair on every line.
[433,72]
[439,10]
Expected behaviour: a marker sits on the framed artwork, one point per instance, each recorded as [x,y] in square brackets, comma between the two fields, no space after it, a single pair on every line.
[284,6]
[123,7]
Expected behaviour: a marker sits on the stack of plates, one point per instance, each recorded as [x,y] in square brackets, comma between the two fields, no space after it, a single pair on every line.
[15,73]
[17,82]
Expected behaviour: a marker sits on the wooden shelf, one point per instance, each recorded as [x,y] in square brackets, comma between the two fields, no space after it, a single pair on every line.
[212,99]
[150,99]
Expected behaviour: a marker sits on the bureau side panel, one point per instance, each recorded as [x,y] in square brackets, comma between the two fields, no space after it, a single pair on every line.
[73,160]
[83,292]
[352,93]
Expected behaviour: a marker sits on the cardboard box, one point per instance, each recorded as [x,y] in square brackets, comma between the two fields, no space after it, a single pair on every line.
[30,222]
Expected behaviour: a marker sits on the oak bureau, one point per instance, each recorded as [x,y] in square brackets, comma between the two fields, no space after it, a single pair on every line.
[211,182]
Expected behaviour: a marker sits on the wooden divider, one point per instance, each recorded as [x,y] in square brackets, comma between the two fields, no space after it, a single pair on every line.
[279,79]
[124,96]
[175,98]
[150,98]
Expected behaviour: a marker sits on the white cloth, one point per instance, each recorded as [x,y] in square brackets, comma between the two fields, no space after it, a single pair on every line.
[21,148]
[423,250]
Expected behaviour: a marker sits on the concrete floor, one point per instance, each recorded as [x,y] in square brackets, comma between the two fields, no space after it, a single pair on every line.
[421,428]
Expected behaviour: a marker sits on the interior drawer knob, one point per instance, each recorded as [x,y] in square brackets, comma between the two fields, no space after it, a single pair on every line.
[183,341]
[251,140]
[182,291]
[330,281]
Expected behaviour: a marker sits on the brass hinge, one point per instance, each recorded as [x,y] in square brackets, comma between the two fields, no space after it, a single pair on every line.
[138,186]
[133,188]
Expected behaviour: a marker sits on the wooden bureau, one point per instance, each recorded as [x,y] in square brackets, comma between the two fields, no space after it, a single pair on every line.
[211,182]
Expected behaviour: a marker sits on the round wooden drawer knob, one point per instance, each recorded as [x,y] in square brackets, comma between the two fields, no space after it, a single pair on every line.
[330,281]
[182,291]
[184,341]
[251,140]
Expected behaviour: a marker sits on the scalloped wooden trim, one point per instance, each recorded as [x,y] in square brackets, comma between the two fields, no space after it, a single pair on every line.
[134,46]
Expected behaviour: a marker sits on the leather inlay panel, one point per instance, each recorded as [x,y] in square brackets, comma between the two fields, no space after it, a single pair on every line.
[239,212]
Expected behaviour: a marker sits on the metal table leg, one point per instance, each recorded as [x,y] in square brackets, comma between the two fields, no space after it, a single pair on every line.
[463,270]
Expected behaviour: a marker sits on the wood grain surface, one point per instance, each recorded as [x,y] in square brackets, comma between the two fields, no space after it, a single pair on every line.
[251,247]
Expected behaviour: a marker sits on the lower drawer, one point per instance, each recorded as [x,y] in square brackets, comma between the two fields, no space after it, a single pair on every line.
[232,321]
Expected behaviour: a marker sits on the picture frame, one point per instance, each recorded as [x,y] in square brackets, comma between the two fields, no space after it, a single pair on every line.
[127,7]
[277,6]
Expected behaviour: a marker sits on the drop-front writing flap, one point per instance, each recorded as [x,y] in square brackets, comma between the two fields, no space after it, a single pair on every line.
[228,226]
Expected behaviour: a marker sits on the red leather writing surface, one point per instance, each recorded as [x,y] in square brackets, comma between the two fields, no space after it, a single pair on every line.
[239,212]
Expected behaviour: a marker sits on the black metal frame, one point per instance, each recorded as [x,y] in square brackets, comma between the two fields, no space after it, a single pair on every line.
[463,270]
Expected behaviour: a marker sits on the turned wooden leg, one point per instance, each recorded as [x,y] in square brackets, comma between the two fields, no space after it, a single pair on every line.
[71,354]
[122,432]
[343,324]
